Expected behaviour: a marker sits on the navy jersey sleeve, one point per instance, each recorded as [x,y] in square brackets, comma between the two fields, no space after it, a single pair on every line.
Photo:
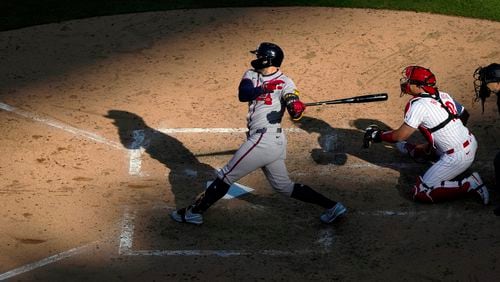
[247,92]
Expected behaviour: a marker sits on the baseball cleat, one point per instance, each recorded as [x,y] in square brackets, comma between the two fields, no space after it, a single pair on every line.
[477,185]
[330,215]
[185,215]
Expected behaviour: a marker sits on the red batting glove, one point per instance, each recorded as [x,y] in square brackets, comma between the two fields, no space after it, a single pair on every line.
[270,86]
[297,108]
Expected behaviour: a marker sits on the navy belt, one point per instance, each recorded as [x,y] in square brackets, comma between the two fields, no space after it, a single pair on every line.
[270,130]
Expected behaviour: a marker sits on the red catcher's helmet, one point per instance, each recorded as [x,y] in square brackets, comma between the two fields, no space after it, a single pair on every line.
[419,76]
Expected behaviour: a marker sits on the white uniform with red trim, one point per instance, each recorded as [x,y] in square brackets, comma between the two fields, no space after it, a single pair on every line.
[453,142]
[266,142]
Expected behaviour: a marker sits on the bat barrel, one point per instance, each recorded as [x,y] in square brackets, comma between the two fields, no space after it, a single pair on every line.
[357,99]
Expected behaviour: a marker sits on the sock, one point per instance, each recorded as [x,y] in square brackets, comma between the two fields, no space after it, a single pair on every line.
[306,194]
[214,192]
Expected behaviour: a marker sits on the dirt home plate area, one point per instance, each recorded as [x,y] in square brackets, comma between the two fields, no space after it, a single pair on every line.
[110,123]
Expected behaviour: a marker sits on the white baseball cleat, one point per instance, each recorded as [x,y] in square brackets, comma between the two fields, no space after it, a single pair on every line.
[477,185]
[187,216]
[330,215]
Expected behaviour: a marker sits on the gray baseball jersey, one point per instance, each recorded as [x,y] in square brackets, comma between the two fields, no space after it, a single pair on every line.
[266,142]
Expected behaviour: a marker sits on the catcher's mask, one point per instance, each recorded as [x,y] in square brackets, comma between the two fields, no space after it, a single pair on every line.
[268,54]
[419,76]
[483,76]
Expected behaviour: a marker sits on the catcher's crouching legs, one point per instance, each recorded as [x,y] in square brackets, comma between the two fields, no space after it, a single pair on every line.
[192,214]
[448,190]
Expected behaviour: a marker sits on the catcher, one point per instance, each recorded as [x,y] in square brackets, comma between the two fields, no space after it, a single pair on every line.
[435,114]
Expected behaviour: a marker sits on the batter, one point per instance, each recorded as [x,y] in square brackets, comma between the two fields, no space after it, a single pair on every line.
[435,114]
[268,93]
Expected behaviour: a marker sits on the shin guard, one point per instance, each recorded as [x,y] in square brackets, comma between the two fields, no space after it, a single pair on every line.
[447,190]
[306,194]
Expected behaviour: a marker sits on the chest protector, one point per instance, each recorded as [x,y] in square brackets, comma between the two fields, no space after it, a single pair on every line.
[450,117]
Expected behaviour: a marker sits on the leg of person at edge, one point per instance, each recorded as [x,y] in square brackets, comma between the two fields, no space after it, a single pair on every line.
[436,115]
[487,81]
[268,92]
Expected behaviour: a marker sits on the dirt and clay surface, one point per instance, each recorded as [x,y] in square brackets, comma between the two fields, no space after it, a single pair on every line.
[84,103]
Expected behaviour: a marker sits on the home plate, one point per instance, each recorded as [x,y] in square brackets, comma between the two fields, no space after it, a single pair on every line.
[235,190]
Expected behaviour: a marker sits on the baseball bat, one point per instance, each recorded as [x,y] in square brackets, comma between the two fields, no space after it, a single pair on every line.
[357,99]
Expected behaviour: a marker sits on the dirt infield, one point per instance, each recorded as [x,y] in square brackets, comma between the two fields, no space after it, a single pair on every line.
[108,124]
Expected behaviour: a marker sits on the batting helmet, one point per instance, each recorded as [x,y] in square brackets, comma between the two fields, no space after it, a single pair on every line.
[419,76]
[268,54]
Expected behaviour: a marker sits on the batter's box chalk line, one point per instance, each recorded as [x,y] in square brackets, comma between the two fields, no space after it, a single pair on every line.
[47,260]
[326,239]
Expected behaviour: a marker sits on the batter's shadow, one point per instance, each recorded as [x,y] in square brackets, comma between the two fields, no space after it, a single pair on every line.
[187,175]
[337,144]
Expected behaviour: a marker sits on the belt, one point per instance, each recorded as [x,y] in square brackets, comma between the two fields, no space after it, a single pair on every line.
[451,151]
[264,130]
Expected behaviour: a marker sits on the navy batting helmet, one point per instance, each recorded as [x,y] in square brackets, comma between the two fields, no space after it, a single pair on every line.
[268,54]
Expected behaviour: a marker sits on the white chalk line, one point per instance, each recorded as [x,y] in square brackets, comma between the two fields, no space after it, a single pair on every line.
[46,261]
[326,237]
[138,146]
[62,126]
[127,236]
[219,253]
[218,130]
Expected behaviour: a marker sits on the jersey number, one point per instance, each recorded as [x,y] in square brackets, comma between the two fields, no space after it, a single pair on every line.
[266,98]
[451,107]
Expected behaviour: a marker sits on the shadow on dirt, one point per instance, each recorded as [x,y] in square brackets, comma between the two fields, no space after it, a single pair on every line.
[338,144]
[187,175]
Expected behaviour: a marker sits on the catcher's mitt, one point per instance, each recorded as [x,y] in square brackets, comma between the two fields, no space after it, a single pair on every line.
[372,134]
